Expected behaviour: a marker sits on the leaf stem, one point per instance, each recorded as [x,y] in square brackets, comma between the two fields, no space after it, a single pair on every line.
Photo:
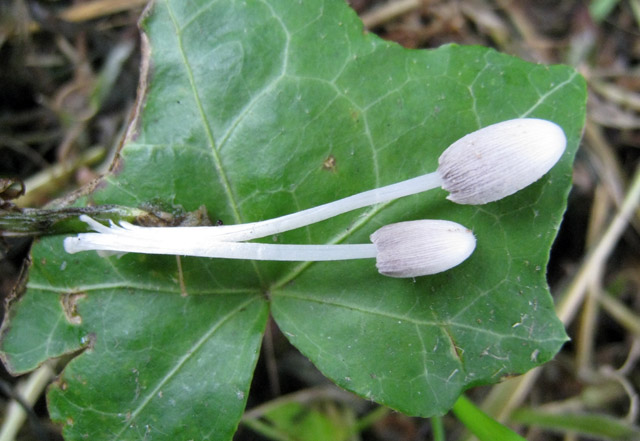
[36,222]
[480,424]
[437,428]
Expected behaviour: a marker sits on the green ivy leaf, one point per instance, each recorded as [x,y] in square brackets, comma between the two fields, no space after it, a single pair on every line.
[256,109]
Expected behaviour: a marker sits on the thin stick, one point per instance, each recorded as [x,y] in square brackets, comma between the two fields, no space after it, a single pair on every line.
[29,389]
[388,12]
[568,305]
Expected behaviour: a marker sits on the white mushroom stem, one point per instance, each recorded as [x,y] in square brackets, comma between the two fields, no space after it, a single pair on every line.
[115,239]
[255,230]
[404,249]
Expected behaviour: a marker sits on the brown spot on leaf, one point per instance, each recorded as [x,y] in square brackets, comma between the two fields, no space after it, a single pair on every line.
[330,164]
[69,303]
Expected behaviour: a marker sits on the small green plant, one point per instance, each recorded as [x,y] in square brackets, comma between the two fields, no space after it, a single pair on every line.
[258,109]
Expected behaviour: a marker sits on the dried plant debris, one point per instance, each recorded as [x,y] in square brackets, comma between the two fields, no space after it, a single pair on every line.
[68,83]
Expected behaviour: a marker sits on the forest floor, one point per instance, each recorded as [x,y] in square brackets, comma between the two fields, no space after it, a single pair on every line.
[55,119]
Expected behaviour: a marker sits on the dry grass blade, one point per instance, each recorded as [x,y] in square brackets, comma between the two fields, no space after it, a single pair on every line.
[505,397]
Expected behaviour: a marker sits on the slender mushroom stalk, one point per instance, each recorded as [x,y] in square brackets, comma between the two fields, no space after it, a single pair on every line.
[483,166]
[404,249]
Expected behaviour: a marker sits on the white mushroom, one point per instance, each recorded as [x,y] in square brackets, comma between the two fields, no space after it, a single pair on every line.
[404,249]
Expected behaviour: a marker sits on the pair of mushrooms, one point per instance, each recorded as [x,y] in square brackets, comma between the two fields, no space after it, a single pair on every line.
[483,166]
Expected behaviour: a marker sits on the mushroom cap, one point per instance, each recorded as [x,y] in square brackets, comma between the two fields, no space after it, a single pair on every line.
[421,247]
[499,160]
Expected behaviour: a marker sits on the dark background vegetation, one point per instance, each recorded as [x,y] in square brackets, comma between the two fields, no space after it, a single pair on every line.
[68,76]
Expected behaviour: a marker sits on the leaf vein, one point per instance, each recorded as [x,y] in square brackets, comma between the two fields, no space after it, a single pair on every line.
[205,122]
[553,90]
[181,362]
